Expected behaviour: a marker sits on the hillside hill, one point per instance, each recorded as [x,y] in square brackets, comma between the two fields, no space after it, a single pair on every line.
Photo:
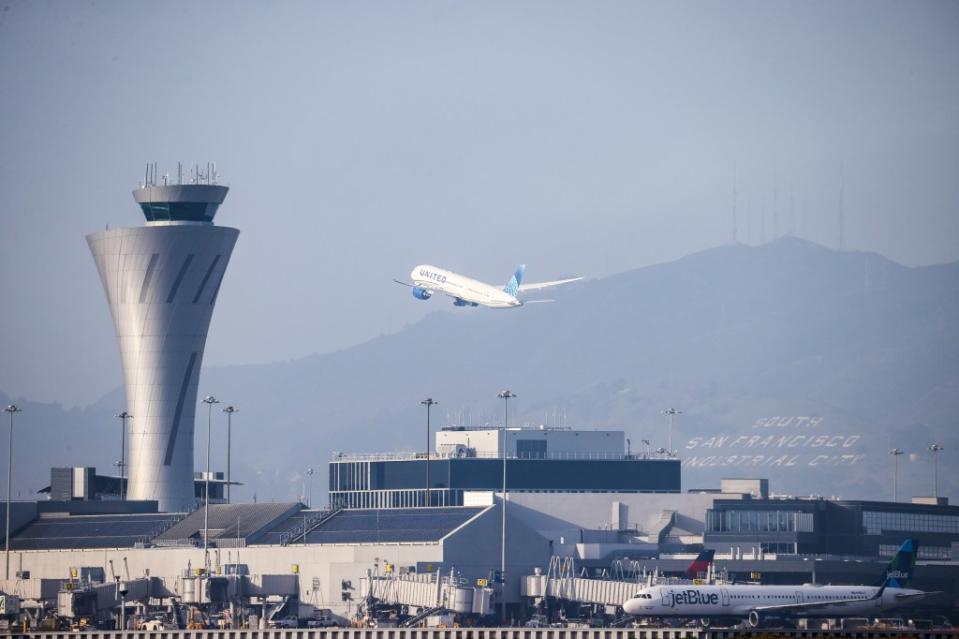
[789,361]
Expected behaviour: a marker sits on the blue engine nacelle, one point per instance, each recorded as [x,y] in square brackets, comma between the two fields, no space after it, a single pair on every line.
[421,293]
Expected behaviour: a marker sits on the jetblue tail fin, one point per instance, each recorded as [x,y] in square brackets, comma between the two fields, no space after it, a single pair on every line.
[512,286]
[899,572]
[700,565]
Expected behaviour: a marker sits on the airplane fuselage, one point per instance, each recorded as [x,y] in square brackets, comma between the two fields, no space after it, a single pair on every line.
[716,601]
[465,289]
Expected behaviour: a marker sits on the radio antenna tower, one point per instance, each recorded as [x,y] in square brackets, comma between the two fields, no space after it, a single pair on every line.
[842,212]
[734,230]
[792,213]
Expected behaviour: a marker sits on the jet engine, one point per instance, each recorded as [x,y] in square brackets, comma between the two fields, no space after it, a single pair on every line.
[421,293]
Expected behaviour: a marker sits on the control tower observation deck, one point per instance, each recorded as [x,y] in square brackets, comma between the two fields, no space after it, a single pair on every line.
[161,282]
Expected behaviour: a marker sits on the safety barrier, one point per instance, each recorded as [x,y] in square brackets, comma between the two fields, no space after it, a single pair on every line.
[499,633]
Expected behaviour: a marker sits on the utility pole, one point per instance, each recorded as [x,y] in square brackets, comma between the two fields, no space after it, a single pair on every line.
[895,452]
[505,395]
[209,400]
[309,473]
[670,413]
[12,410]
[123,417]
[429,403]
[935,448]
[229,410]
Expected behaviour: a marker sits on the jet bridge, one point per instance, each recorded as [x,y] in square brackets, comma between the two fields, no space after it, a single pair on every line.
[75,600]
[562,582]
[429,591]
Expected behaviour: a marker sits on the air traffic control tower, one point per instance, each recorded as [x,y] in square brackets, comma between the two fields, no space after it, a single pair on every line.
[161,282]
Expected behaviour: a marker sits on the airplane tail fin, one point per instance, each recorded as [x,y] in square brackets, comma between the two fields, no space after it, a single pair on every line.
[512,287]
[899,572]
[700,565]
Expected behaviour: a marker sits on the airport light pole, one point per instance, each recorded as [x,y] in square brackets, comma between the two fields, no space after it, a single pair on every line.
[670,413]
[123,417]
[229,410]
[309,473]
[505,395]
[209,400]
[935,448]
[11,409]
[895,452]
[429,403]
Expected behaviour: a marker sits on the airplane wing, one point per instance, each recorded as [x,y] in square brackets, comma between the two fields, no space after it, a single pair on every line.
[537,286]
[403,283]
[902,596]
[799,607]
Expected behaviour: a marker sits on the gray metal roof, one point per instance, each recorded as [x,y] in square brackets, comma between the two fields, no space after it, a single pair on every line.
[390,525]
[90,531]
[252,520]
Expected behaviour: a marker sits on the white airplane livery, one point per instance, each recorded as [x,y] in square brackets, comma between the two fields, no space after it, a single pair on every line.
[758,603]
[466,291]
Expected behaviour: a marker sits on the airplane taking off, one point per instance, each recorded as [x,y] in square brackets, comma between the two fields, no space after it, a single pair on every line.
[466,291]
[759,603]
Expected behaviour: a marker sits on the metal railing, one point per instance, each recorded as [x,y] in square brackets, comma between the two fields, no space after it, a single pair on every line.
[310,524]
[571,455]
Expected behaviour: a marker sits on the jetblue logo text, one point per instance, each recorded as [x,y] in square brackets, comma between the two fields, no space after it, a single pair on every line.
[694,598]
[430,275]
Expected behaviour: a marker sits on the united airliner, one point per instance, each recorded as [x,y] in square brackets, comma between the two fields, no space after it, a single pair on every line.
[465,291]
[757,603]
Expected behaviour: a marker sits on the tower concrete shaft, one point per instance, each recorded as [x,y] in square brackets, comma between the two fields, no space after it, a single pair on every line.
[161,282]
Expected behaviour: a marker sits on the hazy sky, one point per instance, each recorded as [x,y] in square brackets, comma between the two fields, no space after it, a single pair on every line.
[360,139]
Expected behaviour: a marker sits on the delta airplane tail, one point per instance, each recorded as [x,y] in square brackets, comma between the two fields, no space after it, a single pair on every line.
[512,286]
[898,573]
[700,566]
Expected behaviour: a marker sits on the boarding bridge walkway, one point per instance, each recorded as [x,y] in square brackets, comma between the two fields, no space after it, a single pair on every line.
[586,591]
[562,581]
[429,590]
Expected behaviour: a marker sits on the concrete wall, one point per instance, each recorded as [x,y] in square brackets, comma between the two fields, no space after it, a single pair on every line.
[572,444]
[330,563]
[474,549]
[562,520]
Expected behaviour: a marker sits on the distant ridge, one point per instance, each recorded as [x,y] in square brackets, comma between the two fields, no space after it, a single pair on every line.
[734,336]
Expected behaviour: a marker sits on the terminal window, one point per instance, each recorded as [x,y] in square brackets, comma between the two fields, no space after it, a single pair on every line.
[778,548]
[531,448]
[875,522]
[758,521]
[925,552]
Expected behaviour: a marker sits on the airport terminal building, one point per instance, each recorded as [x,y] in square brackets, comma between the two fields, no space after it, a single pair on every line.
[615,508]
[543,459]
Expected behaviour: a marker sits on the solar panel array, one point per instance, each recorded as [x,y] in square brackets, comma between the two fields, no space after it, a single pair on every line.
[251,519]
[391,525]
[291,526]
[90,531]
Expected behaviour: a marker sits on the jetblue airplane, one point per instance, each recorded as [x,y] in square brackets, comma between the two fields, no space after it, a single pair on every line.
[469,292]
[759,603]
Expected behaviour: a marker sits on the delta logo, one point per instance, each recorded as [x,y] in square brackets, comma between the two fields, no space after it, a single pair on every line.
[694,598]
